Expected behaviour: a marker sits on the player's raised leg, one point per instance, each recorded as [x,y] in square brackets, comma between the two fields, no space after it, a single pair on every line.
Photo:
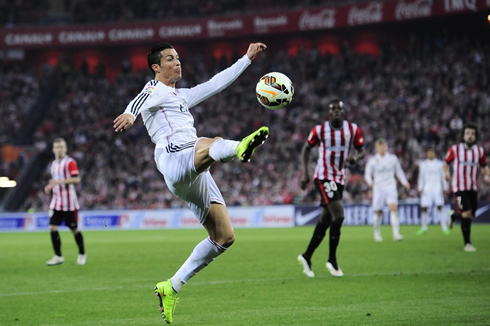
[221,237]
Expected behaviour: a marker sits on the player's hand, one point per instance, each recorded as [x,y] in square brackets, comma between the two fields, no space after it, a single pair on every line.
[304,181]
[123,122]
[448,177]
[351,160]
[486,179]
[407,186]
[255,48]
[48,188]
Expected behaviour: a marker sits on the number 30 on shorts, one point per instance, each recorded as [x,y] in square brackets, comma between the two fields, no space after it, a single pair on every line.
[330,186]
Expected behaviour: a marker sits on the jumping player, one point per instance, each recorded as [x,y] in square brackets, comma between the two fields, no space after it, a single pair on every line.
[466,159]
[64,204]
[431,185]
[184,159]
[383,168]
[335,138]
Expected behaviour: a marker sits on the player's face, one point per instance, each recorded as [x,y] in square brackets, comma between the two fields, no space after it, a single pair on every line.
[59,149]
[336,111]
[381,148]
[431,155]
[469,136]
[170,68]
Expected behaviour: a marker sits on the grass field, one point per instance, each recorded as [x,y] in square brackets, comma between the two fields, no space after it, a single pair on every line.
[423,280]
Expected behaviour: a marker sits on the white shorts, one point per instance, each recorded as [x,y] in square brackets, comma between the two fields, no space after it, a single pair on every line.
[432,198]
[198,190]
[382,197]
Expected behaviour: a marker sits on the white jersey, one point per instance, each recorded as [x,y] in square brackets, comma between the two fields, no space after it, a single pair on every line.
[165,110]
[431,176]
[383,170]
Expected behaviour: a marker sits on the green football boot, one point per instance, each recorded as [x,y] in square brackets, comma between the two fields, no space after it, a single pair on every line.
[421,232]
[248,145]
[168,299]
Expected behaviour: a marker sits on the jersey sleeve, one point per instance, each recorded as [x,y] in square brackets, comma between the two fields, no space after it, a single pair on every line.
[368,173]
[313,138]
[150,96]
[73,169]
[483,158]
[400,175]
[358,139]
[450,155]
[219,82]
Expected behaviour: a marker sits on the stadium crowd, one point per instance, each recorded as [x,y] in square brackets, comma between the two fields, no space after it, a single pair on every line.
[14,13]
[415,98]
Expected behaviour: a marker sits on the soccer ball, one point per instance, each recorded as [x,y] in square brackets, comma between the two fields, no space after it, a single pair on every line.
[274,90]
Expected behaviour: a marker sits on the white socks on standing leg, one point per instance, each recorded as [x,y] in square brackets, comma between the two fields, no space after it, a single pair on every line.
[442,220]
[424,219]
[377,227]
[395,224]
[202,255]
[223,150]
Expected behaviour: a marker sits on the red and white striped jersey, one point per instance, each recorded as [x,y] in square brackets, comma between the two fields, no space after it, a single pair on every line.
[335,145]
[466,164]
[64,195]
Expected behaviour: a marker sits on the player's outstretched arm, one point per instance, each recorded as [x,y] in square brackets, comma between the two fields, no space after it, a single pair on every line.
[123,122]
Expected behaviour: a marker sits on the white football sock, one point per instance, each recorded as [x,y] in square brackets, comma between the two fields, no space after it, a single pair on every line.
[442,220]
[202,255]
[223,150]
[395,223]
[424,217]
[377,224]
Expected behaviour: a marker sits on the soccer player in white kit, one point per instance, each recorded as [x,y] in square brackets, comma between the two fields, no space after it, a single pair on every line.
[184,159]
[380,173]
[432,186]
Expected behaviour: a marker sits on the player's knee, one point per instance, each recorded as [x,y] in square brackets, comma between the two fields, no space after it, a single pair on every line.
[338,219]
[53,228]
[228,240]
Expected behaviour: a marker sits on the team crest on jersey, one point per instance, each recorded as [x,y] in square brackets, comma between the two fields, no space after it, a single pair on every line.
[330,194]
[149,89]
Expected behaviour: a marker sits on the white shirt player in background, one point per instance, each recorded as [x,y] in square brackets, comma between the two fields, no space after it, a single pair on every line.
[432,187]
[184,159]
[380,173]
[64,204]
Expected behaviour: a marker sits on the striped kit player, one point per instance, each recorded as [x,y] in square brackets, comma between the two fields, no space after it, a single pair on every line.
[184,159]
[64,203]
[336,139]
[466,159]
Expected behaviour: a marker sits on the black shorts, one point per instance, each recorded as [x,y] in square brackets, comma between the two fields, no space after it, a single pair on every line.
[70,218]
[330,191]
[466,201]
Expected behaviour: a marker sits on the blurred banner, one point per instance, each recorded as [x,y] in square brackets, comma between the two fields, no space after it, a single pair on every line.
[363,214]
[241,217]
[279,22]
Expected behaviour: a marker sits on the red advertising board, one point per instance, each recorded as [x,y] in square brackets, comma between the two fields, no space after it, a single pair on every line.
[191,29]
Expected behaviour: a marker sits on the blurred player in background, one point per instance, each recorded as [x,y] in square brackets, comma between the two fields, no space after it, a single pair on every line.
[184,159]
[64,204]
[336,137]
[380,173]
[432,187]
[466,159]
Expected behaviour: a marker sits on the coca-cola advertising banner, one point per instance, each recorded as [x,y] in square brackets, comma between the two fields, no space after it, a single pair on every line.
[192,29]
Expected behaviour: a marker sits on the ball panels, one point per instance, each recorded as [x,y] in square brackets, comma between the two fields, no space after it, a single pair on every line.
[274,90]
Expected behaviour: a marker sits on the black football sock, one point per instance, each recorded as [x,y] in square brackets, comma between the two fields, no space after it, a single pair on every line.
[55,239]
[316,239]
[456,217]
[79,240]
[466,228]
[334,241]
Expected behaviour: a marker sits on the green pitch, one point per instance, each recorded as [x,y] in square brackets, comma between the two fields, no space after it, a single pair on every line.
[423,280]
